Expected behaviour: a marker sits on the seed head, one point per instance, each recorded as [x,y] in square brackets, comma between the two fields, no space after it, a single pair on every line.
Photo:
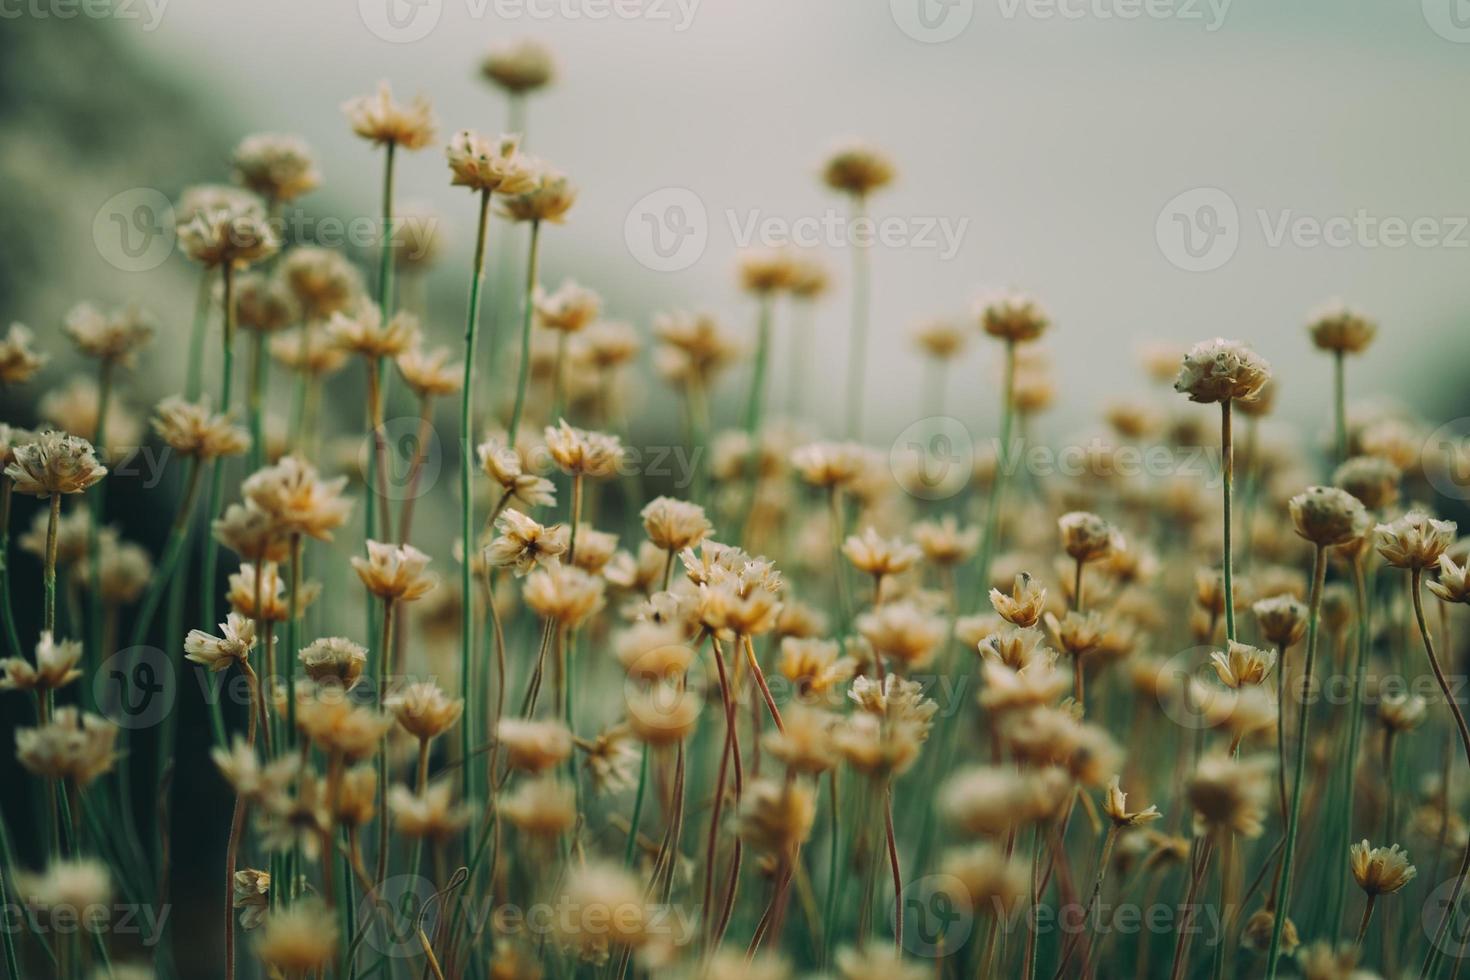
[578,451]
[1230,795]
[432,816]
[1282,618]
[1013,317]
[1415,540]
[764,271]
[565,594]
[1327,516]
[364,332]
[673,525]
[663,715]
[378,119]
[524,545]
[299,939]
[989,801]
[428,373]
[112,338]
[814,666]
[55,666]
[219,652]
[1399,712]
[519,67]
[424,711]
[944,542]
[543,808]
[18,361]
[275,166]
[776,816]
[1222,370]
[54,463]
[534,746]
[1115,805]
[1453,584]
[548,198]
[1372,479]
[1380,870]
[237,234]
[191,429]
[1024,606]
[72,745]
[296,500]
[394,572]
[322,281]
[903,632]
[488,165]
[873,554]
[1338,329]
[858,169]
[1241,665]
[333,661]
[1087,537]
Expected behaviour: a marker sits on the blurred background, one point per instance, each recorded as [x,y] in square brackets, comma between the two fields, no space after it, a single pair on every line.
[1150,172]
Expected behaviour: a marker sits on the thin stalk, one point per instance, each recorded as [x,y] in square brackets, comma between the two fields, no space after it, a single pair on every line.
[173,550]
[857,355]
[1002,466]
[1288,853]
[1097,883]
[194,369]
[527,310]
[467,501]
[416,468]
[49,613]
[217,470]
[385,644]
[97,499]
[1339,404]
[1227,471]
[1367,916]
[1451,906]
[1355,723]
[893,867]
[237,826]
[255,401]
[631,846]
[12,636]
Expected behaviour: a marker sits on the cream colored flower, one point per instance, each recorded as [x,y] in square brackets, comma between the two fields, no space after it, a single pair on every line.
[549,198]
[364,332]
[428,373]
[1242,665]
[299,939]
[297,500]
[72,745]
[904,632]
[673,525]
[944,542]
[424,710]
[394,572]
[275,166]
[857,169]
[55,666]
[191,429]
[252,897]
[115,338]
[1327,516]
[534,746]
[1380,870]
[1024,606]
[1453,583]
[579,451]
[1087,537]
[237,234]
[18,361]
[54,463]
[430,816]
[1338,329]
[333,660]
[565,594]
[1013,317]
[569,309]
[873,554]
[523,544]
[519,66]
[1222,370]
[219,652]
[1415,540]
[1115,805]
[378,118]
[485,165]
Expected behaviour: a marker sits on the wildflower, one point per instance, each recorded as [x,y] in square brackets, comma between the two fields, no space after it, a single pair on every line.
[534,746]
[241,768]
[662,715]
[72,745]
[77,889]
[337,726]
[1380,870]
[992,800]
[524,544]
[191,429]
[277,167]
[238,235]
[808,278]
[1023,607]
[871,553]
[982,879]
[828,464]
[1453,584]
[874,962]
[564,594]
[1222,370]
[805,744]
[219,652]
[1045,736]
[1241,665]
[395,573]
[114,339]
[776,817]
[424,711]
[313,354]
[694,347]
[54,463]
[55,667]
[252,897]
[649,650]
[944,542]
[1005,688]
[267,599]
[1341,330]
[333,661]
[520,66]
[1230,795]
[569,309]
[250,533]
[1115,805]
[940,339]
[1327,516]
[484,165]
[1013,318]
[1087,537]
[428,374]
[612,761]
[503,465]
[364,332]
[297,500]
[1372,479]
[814,666]
[299,939]
[1256,934]
[606,907]
[902,631]
[549,197]
[322,281]
[379,119]
[544,807]
[578,451]
[764,270]
[1399,712]
[673,525]
[1013,646]
[1415,540]
[431,815]
[1282,618]
[1076,633]
[857,169]
[18,361]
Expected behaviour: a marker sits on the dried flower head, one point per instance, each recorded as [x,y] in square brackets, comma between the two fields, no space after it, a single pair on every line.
[191,429]
[1025,604]
[858,169]
[607,910]
[1222,370]
[1256,935]
[544,807]
[73,745]
[113,338]
[519,66]
[488,165]
[1372,479]
[335,725]
[217,653]
[322,280]
[77,889]
[673,525]
[1453,583]
[1087,537]
[503,465]
[55,666]
[1230,795]
[237,234]
[428,373]
[549,197]
[1414,540]
[1282,618]
[333,661]
[251,533]
[432,815]
[296,500]
[1399,712]
[396,573]
[18,361]
[299,939]
[578,451]
[1380,870]
[565,594]
[1338,329]
[570,308]
[379,119]
[276,166]
[662,715]
[776,816]
[764,271]
[873,554]
[1327,516]
[364,332]
[990,801]
[903,632]
[523,544]
[1241,665]
[1115,805]
[424,710]
[1013,317]
[251,897]
[814,666]
[54,463]
[533,746]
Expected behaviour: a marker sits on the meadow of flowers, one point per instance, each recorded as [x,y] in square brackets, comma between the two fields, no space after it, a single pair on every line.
[496,697]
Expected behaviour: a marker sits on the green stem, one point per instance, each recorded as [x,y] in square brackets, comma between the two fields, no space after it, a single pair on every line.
[632,846]
[194,376]
[49,617]
[256,402]
[524,374]
[208,569]
[1227,470]
[97,498]
[173,550]
[1288,854]
[12,635]
[857,355]
[1339,401]
[1002,469]
[467,502]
